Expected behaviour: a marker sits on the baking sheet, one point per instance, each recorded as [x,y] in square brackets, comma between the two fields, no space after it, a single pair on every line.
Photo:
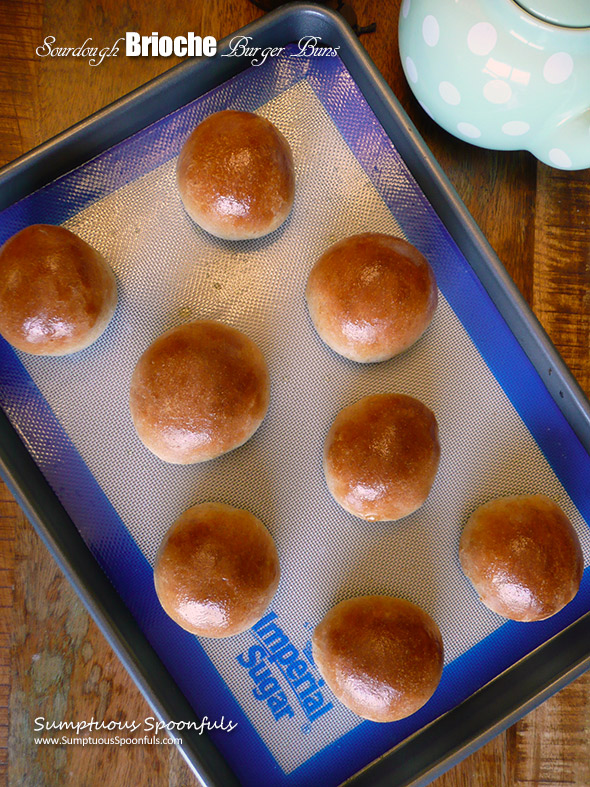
[467,368]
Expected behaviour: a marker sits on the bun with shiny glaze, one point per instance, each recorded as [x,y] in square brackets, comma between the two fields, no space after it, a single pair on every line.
[523,556]
[381,456]
[382,657]
[217,570]
[235,175]
[198,391]
[371,296]
[57,293]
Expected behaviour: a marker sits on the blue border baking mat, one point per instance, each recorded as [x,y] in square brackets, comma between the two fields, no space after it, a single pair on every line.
[98,521]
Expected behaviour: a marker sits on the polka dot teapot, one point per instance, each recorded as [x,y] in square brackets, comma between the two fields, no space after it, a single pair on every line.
[504,74]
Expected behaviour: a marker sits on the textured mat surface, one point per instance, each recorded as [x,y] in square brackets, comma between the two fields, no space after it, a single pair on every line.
[73,413]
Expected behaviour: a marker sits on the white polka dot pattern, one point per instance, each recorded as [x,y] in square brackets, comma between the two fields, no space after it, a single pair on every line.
[560,158]
[430,31]
[515,128]
[492,75]
[449,93]
[411,70]
[482,38]
[497,91]
[558,68]
[468,130]
[428,112]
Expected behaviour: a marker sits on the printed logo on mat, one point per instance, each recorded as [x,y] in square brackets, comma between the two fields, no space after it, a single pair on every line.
[285,678]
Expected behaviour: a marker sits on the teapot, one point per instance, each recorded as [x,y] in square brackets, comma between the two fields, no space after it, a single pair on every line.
[503,74]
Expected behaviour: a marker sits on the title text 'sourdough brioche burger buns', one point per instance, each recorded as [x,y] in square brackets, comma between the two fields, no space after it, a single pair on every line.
[523,556]
[57,293]
[371,296]
[198,391]
[382,657]
[381,456]
[217,570]
[235,175]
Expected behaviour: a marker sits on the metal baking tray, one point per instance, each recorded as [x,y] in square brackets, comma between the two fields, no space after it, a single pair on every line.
[479,698]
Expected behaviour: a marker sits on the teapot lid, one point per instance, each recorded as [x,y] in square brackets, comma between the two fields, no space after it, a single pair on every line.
[566,13]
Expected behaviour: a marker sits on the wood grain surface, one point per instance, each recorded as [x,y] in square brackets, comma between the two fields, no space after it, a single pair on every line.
[53,660]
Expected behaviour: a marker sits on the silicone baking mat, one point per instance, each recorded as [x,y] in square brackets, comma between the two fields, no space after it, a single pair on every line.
[501,433]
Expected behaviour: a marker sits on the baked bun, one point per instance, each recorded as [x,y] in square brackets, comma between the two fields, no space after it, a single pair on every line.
[235,175]
[217,570]
[371,296]
[381,456]
[198,391]
[382,657]
[523,557]
[57,293]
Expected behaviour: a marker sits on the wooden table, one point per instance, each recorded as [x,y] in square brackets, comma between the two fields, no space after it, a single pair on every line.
[53,660]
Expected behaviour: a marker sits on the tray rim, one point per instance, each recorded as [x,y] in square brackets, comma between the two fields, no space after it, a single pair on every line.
[440,745]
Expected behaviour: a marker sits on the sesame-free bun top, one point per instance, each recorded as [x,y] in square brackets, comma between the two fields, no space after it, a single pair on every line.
[381,456]
[523,556]
[235,175]
[198,391]
[371,296]
[382,657]
[57,293]
[217,570]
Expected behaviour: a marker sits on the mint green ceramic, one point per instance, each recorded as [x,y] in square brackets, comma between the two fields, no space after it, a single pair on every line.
[502,74]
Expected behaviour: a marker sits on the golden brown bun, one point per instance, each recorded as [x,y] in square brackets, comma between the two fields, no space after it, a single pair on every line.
[198,391]
[382,657]
[235,175]
[57,293]
[523,556]
[381,456]
[371,296]
[216,570]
